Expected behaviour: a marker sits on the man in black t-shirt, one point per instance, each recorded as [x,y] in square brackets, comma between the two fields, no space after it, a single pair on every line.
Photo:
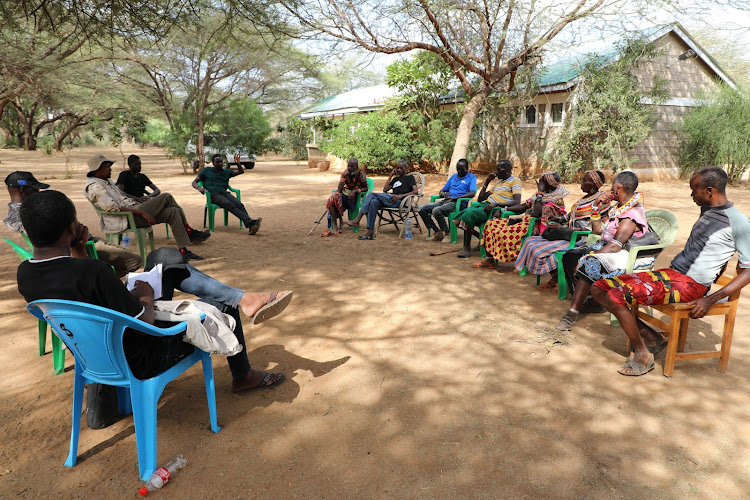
[60,269]
[400,185]
[134,183]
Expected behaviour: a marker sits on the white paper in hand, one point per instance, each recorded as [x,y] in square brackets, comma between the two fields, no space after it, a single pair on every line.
[152,277]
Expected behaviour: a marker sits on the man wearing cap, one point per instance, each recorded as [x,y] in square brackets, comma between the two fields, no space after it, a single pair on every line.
[161,208]
[23,184]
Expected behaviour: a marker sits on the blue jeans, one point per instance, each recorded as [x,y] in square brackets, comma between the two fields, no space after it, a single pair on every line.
[373,203]
[204,286]
[223,297]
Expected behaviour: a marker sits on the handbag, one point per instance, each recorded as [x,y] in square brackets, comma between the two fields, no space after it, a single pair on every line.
[563,233]
[647,239]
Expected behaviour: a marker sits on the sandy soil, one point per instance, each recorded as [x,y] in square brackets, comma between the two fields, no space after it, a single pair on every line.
[409,376]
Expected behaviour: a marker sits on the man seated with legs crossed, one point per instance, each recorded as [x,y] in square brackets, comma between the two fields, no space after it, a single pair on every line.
[216,182]
[161,208]
[59,269]
[400,185]
[719,232]
[462,184]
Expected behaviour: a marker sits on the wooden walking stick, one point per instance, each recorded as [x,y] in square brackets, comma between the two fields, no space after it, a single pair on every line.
[433,254]
[316,224]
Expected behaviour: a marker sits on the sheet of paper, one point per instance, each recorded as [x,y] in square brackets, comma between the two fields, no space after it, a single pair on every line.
[152,277]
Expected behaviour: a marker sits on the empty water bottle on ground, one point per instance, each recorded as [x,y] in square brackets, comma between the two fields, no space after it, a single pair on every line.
[126,240]
[407,229]
[162,475]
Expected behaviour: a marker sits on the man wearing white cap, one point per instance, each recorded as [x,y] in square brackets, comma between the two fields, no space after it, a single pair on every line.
[161,208]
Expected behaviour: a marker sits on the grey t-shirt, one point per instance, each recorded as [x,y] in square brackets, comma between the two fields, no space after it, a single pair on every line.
[716,235]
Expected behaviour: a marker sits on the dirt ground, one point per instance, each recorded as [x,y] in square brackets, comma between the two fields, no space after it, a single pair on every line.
[409,376]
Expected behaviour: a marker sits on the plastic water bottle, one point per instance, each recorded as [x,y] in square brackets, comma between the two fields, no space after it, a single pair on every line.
[126,240]
[407,230]
[329,221]
[162,475]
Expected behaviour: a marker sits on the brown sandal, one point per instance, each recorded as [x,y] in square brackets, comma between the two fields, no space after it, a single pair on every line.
[484,264]
[550,286]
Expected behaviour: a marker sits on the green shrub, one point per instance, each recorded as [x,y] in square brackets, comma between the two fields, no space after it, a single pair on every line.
[717,132]
[377,140]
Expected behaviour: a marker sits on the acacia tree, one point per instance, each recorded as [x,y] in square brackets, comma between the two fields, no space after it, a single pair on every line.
[484,43]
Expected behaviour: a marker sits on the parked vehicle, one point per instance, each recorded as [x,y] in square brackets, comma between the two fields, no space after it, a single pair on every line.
[216,144]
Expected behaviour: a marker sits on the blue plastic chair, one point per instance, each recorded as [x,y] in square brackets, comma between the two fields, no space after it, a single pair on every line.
[94,336]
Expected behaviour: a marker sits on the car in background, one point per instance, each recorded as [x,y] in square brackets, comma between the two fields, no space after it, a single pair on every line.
[213,144]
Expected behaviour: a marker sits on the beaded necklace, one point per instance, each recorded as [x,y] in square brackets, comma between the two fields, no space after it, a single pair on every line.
[615,212]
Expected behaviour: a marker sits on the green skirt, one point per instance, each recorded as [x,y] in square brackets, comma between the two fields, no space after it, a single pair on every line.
[473,216]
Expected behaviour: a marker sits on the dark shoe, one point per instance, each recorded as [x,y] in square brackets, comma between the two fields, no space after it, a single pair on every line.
[242,385]
[188,255]
[256,225]
[199,236]
[366,237]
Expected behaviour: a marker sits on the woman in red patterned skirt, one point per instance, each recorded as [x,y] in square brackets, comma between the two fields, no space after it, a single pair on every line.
[502,237]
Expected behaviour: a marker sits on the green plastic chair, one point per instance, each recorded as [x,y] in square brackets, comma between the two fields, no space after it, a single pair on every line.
[461,203]
[210,209]
[562,293]
[140,233]
[360,199]
[58,353]
[503,215]
[663,222]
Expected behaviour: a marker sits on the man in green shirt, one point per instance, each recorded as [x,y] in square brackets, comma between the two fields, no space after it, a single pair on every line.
[216,182]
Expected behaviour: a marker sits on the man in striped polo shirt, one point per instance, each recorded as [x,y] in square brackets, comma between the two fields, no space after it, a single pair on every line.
[720,231]
[505,193]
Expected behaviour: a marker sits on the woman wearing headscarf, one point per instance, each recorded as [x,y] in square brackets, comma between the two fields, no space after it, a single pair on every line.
[538,252]
[502,237]
[617,223]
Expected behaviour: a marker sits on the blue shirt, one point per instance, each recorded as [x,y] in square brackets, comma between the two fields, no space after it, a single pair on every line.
[459,186]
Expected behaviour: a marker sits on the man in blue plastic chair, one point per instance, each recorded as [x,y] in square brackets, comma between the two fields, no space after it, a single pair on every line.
[462,184]
[60,269]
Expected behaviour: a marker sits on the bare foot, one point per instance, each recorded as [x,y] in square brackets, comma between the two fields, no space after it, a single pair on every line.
[251,302]
[354,222]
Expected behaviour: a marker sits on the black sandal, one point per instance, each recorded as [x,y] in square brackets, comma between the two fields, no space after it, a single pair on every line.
[365,237]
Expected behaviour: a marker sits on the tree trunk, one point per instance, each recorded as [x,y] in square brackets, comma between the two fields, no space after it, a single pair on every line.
[78,122]
[463,135]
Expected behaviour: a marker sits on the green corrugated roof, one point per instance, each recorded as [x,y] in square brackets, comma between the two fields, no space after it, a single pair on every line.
[355,100]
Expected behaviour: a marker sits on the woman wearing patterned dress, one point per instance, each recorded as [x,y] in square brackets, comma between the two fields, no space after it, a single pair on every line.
[538,252]
[607,257]
[502,237]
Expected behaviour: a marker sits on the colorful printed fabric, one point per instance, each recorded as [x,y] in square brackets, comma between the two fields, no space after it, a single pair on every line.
[607,265]
[664,286]
[356,181]
[538,254]
[557,197]
[580,214]
[503,240]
